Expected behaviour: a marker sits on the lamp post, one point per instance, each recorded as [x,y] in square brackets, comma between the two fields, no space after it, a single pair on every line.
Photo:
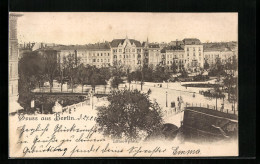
[166,99]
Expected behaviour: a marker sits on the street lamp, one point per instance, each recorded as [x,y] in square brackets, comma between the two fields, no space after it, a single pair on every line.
[166,100]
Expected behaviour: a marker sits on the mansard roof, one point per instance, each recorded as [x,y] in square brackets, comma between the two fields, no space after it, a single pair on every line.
[153,45]
[116,42]
[191,41]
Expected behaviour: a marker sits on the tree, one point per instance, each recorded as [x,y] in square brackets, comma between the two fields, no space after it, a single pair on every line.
[117,73]
[31,73]
[70,71]
[234,65]
[216,93]
[206,65]
[129,77]
[174,67]
[50,62]
[61,68]
[81,75]
[217,69]
[183,72]
[159,74]
[105,73]
[129,114]
[116,80]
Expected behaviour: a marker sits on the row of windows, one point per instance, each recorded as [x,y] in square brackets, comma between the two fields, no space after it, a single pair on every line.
[125,56]
[212,55]
[175,56]
[126,50]
[101,60]
[193,49]
[101,54]
[194,54]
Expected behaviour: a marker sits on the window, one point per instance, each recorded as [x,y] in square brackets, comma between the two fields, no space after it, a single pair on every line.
[120,50]
[187,49]
[193,49]
[97,54]
[133,50]
[101,60]
[199,54]
[101,54]
[94,60]
[97,60]
[108,60]
[194,54]
[107,54]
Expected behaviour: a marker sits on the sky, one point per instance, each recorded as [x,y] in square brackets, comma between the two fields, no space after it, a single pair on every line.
[89,27]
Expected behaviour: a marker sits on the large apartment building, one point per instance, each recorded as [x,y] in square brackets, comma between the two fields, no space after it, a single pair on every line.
[174,54]
[127,52]
[98,55]
[218,51]
[193,54]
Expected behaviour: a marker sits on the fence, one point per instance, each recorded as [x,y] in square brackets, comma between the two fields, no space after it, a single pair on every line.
[75,106]
[212,107]
[172,111]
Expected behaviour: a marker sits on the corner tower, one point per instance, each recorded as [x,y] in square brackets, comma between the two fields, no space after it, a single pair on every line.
[13,63]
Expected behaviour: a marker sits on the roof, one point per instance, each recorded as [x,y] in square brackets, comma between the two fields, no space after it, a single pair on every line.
[137,43]
[216,47]
[174,48]
[96,46]
[191,41]
[176,42]
[153,45]
[116,42]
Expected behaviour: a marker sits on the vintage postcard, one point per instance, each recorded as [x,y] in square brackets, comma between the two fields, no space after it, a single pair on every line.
[107,84]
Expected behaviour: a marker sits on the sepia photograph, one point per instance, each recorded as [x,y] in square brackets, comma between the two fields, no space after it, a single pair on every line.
[123,84]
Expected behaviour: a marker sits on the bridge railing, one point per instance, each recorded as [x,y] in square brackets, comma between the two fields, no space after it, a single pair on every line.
[75,106]
[212,107]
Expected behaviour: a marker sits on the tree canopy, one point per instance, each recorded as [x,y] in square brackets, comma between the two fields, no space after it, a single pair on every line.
[130,114]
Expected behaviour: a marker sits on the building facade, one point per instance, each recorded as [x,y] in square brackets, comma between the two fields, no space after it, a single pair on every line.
[154,55]
[13,64]
[212,54]
[175,55]
[127,52]
[193,54]
[96,55]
